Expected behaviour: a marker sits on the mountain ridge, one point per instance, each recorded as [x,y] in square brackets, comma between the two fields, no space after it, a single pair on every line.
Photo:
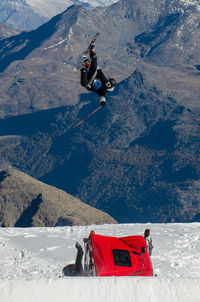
[26,202]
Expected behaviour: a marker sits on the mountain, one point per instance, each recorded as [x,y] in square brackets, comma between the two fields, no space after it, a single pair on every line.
[26,202]
[138,158]
[30,14]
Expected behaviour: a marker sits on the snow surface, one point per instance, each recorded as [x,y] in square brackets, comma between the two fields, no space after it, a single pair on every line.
[32,260]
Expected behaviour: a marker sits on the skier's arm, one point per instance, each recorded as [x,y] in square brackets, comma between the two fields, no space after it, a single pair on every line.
[102,100]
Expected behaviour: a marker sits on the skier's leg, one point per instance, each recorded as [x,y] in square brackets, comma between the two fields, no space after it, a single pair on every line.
[79,257]
[88,75]
[84,72]
[93,66]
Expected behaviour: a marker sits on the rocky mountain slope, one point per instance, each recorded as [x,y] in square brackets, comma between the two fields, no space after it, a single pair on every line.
[138,158]
[26,202]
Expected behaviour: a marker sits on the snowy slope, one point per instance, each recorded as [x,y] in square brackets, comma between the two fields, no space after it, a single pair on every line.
[31,261]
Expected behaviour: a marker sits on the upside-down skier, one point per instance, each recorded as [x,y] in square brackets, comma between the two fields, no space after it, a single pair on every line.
[92,77]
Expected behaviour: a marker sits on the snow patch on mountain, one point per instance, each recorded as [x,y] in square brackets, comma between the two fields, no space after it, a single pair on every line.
[189,2]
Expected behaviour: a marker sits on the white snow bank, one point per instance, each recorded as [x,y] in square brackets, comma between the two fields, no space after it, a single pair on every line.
[110,289]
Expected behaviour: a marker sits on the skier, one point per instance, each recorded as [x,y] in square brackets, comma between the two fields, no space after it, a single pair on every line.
[92,77]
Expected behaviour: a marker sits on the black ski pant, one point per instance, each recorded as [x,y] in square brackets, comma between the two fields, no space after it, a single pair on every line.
[87,77]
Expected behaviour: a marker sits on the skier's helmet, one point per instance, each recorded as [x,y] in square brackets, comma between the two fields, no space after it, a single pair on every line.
[110,84]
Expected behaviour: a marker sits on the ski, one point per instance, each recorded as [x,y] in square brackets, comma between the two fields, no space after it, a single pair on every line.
[87,116]
[85,53]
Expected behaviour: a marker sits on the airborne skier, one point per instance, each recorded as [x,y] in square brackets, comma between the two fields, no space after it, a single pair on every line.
[92,77]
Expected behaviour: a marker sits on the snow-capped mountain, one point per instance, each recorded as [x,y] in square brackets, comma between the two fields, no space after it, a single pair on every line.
[31,261]
[29,14]
[18,14]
